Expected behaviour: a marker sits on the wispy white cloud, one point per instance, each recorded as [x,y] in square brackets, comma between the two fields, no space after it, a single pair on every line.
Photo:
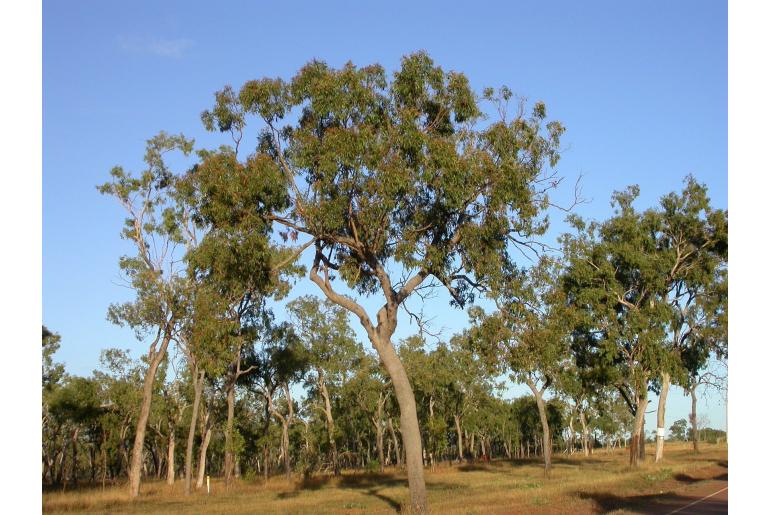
[171,48]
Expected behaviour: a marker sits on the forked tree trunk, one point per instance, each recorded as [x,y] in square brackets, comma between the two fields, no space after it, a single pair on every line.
[661,430]
[643,440]
[198,377]
[285,423]
[203,450]
[137,453]
[329,421]
[584,433]
[387,320]
[395,442]
[410,428]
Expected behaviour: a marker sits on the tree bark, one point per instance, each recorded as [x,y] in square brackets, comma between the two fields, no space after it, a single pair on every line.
[379,336]
[410,428]
[660,438]
[395,442]
[203,450]
[104,464]
[329,421]
[460,456]
[137,453]
[285,423]
[74,471]
[541,409]
[641,407]
[380,432]
[694,419]
[198,377]
[171,468]
[229,455]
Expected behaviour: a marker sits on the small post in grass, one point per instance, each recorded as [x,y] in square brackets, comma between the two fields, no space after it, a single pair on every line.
[208,484]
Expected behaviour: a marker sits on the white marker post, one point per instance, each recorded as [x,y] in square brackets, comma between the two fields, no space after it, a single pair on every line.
[208,484]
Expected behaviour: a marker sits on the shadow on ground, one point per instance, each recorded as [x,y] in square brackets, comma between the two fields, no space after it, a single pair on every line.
[372,484]
[651,503]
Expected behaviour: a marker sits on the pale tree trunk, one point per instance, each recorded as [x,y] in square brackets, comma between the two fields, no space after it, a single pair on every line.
[661,430]
[74,471]
[395,442]
[643,440]
[198,377]
[380,431]
[641,407]
[137,453]
[287,423]
[104,464]
[541,409]
[171,468]
[229,455]
[460,456]
[473,445]
[329,421]
[694,419]
[206,431]
[410,428]
[265,458]
[430,435]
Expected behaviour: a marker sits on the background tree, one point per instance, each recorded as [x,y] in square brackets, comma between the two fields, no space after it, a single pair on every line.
[679,430]
[282,363]
[614,281]
[528,337]
[331,349]
[692,238]
[151,272]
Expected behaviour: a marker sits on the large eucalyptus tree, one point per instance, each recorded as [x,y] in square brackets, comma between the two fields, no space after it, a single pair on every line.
[385,176]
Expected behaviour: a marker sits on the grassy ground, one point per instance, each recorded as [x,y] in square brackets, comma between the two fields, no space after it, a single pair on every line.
[599,483]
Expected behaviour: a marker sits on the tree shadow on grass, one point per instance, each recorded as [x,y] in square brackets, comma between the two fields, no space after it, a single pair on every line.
[649,504]
[369,483]
[523,462]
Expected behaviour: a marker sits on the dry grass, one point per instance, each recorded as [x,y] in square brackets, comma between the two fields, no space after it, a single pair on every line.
[595,484]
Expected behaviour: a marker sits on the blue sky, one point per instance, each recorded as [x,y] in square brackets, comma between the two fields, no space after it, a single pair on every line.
[641,88]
